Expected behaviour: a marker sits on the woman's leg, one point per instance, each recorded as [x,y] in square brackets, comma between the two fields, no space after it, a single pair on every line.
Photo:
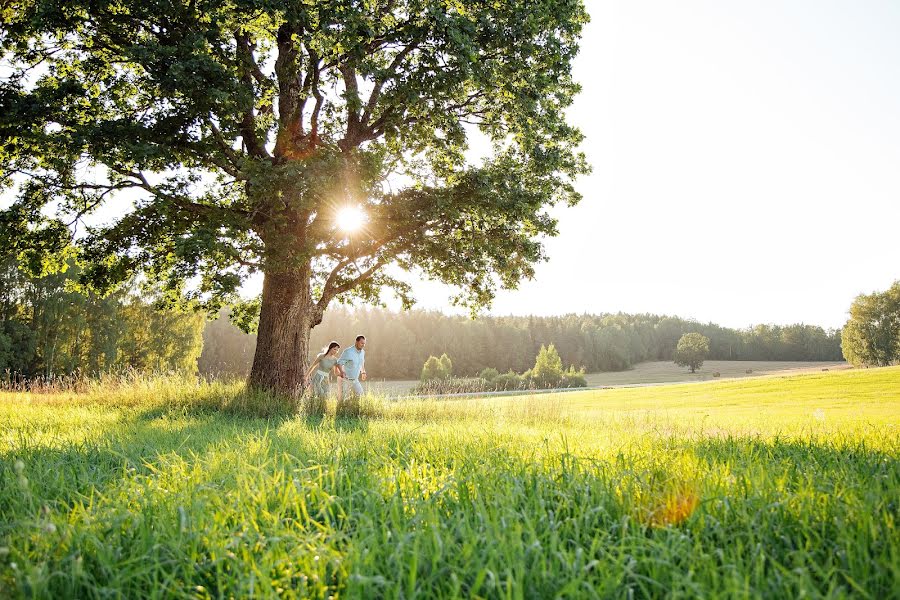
[340,385]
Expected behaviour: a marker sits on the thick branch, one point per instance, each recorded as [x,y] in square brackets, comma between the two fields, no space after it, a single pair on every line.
[331,289]
[312,84]
[290,90]
[248,122]
[353,133]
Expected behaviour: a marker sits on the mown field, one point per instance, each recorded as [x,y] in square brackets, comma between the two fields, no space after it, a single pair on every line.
[663,371]
[773,487]
[666,371]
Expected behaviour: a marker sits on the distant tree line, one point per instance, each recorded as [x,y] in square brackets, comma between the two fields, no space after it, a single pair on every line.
[49,327]
[400,343]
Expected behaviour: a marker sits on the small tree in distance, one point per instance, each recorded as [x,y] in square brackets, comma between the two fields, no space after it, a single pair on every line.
[692,350]
[548,369]
[446,366]
[872,335]
[437,369]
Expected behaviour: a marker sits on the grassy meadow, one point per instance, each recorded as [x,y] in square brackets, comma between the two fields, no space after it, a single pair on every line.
[770,487]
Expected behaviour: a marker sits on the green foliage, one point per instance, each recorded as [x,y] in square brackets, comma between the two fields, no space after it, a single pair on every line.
[548,370]
[50,327]
[154,340]
[226,349]
[431,370]
[437,369]
[872,334]
[112,492]
[446,365]
[574,378]
[692,350]
[509,381]
[241,126]
[489,374]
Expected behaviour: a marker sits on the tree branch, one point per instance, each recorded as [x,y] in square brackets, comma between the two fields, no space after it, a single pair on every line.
[312,84]
[196,208]
[379,84]
[244,53]
[328,293]
[290,90]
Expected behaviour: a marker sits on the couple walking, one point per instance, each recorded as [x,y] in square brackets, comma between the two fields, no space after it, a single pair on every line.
[350,368]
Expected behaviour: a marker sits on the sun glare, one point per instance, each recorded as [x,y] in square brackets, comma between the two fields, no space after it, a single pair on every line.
[351,218]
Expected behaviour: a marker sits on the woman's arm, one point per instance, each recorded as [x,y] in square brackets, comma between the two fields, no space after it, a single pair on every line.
[312,368]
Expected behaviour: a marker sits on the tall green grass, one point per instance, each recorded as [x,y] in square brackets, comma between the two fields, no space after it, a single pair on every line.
[781,487]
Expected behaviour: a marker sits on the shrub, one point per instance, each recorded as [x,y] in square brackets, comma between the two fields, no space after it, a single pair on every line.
[437,369]
[509,381]
[489,374]
[574,379]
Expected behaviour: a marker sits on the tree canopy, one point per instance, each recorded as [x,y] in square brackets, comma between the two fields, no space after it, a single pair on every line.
[227,135]
[691,351]
[872,334]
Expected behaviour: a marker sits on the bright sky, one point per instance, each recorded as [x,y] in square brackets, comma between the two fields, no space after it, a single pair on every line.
[746,164]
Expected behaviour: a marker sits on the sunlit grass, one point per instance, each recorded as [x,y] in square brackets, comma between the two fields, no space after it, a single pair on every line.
[777,487]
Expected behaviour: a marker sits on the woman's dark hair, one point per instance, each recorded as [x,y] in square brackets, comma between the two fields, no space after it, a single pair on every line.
[331,346]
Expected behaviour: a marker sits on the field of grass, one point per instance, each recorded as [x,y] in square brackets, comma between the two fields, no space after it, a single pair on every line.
[778,487]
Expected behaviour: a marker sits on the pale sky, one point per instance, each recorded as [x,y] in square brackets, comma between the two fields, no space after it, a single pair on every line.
[746,162]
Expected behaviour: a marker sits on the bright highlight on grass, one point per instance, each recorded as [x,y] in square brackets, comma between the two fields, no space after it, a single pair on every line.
[351,218]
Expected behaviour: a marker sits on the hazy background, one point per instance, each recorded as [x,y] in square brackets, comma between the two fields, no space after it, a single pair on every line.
[746,164]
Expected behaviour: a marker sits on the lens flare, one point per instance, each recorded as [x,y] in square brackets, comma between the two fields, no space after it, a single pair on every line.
[351,218]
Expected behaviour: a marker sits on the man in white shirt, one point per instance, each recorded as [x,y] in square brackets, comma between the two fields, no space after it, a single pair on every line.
[353,360]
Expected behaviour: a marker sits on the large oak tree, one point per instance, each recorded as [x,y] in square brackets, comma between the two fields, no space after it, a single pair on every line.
[223,137]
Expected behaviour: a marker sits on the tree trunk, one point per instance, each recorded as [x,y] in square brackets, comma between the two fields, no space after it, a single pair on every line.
[282,343]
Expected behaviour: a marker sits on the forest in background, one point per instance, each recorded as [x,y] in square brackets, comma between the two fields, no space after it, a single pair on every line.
[48,327]
[400,343]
